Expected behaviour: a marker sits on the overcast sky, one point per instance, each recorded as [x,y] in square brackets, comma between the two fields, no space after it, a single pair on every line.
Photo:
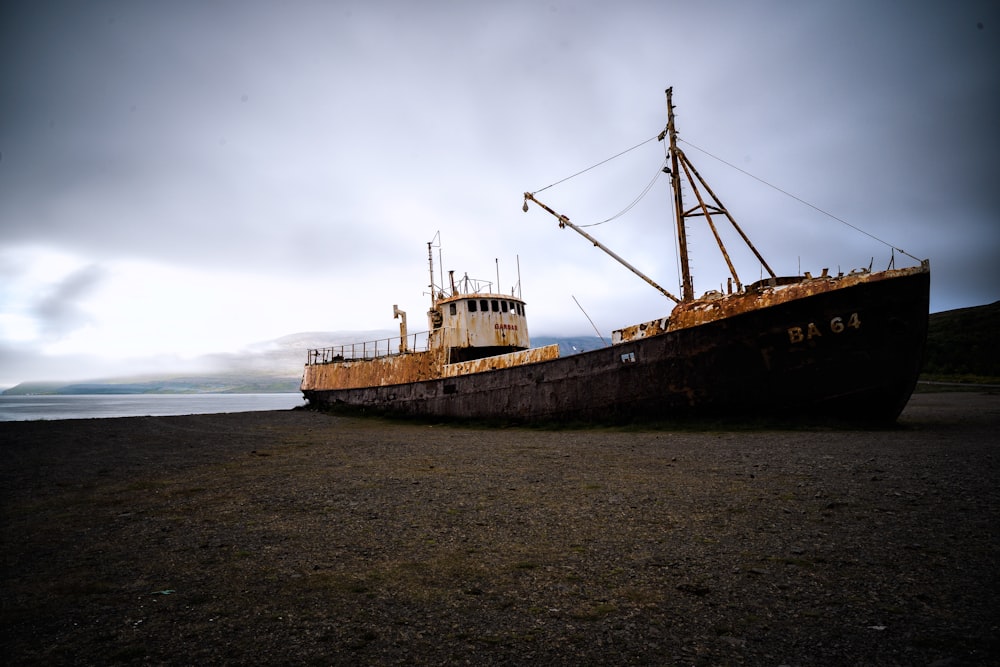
[182,178]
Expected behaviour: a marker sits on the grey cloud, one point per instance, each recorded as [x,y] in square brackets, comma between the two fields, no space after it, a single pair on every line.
[58,311]
[292,141]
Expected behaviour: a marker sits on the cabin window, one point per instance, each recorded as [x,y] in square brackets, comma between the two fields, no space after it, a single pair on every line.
[453,309]
[503,306]
[472,305]
[484,305]
[520,309]
[495,306]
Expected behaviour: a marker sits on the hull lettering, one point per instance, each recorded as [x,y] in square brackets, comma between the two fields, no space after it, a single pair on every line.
[837,325]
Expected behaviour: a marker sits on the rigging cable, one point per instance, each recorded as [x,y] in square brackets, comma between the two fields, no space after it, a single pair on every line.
[800,200]
[635,201]
[643,143]
[645,191]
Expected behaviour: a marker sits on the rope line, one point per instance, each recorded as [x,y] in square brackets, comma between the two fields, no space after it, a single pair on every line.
[649,187]
[800,200]
[627,150]
[645,191]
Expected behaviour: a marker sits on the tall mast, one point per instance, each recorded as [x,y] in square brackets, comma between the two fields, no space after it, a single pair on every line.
[430,262]
[687,288]
[680,167]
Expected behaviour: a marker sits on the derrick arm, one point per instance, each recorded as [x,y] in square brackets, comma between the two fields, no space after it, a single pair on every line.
[564,222]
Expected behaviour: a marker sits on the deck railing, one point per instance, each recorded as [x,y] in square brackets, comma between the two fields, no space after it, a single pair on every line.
[383,347]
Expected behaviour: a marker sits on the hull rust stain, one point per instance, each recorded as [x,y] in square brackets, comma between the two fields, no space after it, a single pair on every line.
[844,346]
[752,363]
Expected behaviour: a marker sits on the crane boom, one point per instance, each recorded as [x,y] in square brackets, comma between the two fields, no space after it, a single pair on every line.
[564,222]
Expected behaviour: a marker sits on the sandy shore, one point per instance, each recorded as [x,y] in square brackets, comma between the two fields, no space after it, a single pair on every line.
[302,538]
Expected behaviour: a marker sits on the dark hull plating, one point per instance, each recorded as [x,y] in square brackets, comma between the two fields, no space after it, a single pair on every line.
[806,357]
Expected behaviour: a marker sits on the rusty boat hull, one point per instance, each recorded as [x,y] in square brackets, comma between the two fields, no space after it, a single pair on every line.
[852,353]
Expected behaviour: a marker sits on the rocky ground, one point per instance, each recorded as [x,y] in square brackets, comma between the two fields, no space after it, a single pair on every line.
[303,538]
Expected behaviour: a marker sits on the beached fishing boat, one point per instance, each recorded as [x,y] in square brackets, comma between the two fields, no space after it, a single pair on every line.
[846,345]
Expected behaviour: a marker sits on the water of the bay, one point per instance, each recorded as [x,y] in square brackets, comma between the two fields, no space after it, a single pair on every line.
[86,406]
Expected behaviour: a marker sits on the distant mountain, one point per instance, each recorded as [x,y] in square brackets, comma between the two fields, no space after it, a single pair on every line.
[198,384]
[286,355]
[962,345]
[265,367]
[570,344]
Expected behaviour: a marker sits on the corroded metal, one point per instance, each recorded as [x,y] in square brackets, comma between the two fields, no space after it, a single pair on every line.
[466,324]
[480,320]
[687,287]
[412,367]
[679,159]
[719,208]
[844,346]
[705,211]
[401,315]
[395,369]
[509,360]
[851,353]
[715,306]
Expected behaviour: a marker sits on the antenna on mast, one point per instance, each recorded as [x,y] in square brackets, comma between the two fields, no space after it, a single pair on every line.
[518,257]
[430,262]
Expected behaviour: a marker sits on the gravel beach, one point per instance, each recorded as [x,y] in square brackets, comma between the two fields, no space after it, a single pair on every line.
[299,537]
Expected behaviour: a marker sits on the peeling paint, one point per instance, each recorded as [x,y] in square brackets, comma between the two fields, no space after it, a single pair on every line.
[716,306]
[509,360]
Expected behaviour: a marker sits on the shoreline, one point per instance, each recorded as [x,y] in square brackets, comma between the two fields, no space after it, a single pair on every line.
[59,407]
